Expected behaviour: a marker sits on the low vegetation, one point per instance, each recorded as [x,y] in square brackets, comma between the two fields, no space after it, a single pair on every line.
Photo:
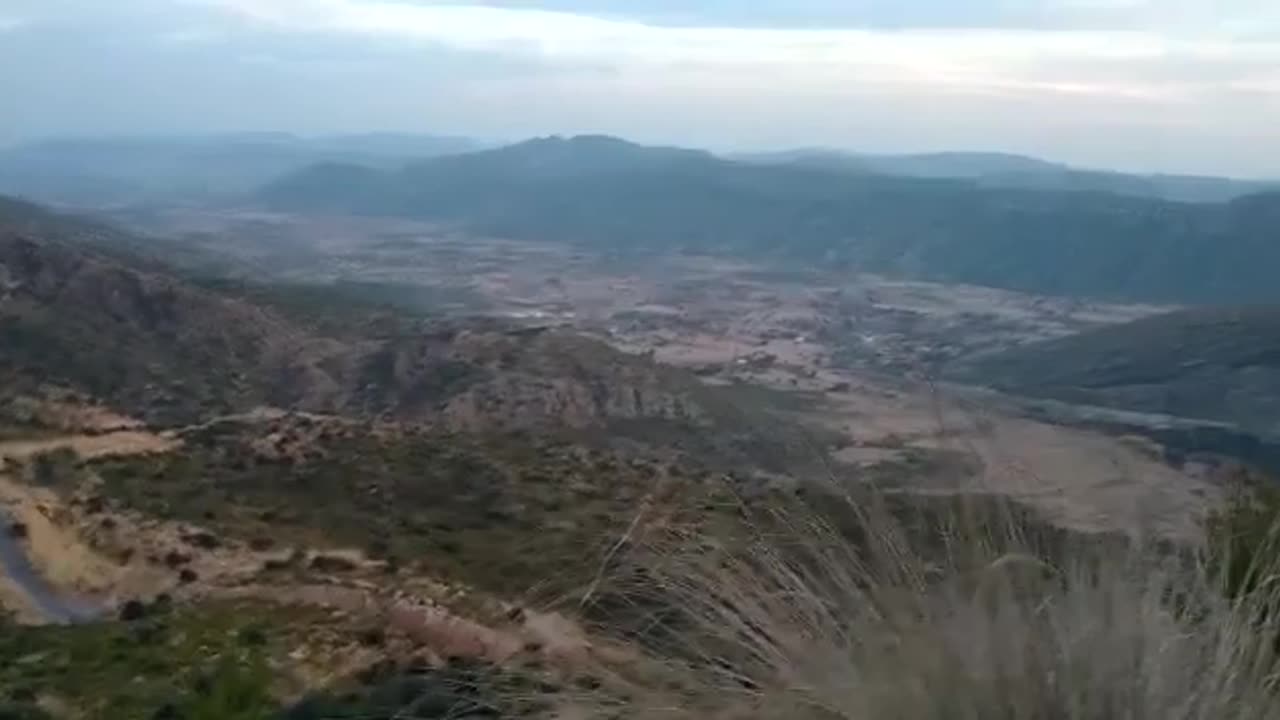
[238,661]
[815,603]
[208,662]
[1220,364]
[502,512]
[19,420]
[974,621]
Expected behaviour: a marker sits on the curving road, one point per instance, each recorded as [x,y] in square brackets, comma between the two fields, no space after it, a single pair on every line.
[54,605]
[15,565]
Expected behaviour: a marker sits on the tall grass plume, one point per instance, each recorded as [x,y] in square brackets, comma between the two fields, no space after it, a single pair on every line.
[872,608]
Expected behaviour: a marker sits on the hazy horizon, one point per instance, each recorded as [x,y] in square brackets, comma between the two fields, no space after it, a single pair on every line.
[482,143]
[1179,86]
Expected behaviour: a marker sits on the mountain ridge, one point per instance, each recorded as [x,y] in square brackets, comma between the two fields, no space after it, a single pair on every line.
[1012,171]
[621,196]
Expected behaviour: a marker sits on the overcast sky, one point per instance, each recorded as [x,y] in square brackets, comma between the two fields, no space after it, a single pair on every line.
[1166,85]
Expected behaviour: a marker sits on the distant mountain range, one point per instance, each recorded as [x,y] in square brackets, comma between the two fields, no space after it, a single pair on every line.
[1000,170]
[967,165]
[109,170]
[991,219]
[99,171]
[611,194]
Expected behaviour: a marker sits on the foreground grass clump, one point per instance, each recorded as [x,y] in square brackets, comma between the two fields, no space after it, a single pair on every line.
[978,618]
[1244,537]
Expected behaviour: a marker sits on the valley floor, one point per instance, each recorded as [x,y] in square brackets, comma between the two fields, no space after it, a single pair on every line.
[855,352]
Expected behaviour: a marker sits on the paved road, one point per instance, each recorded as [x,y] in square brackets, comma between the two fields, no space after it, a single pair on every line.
[55,606]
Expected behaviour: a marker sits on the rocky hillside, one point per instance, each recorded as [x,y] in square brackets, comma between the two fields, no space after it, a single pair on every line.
[143,340]
[154,345]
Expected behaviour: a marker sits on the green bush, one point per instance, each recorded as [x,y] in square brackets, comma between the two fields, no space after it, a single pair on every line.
[235,690]
[56,468]
[15,711]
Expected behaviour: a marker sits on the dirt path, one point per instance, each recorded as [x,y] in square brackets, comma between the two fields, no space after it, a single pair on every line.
[128,442]
[43,565]
[32,596]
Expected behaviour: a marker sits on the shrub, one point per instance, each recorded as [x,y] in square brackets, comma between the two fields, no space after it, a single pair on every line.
[22,711]
[332,564]
[56,468]
[235,690]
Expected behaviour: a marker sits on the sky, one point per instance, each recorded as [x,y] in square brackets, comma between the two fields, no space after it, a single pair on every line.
[1188,86]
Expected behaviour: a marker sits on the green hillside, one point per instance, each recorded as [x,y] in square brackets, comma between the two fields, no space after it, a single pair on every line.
[1218,364]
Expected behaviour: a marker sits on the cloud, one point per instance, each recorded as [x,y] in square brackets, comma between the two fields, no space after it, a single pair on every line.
[1068,62]
[1167,84]
[884,14]
[190,36]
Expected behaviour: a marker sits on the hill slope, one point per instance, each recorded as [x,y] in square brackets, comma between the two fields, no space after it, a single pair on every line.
[1220,364]
[154,345]
[610,194]
[143,340]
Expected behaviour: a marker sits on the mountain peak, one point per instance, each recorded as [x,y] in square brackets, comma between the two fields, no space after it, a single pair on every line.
[580,154]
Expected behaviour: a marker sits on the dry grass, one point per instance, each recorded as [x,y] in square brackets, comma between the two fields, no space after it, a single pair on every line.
[979,618]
